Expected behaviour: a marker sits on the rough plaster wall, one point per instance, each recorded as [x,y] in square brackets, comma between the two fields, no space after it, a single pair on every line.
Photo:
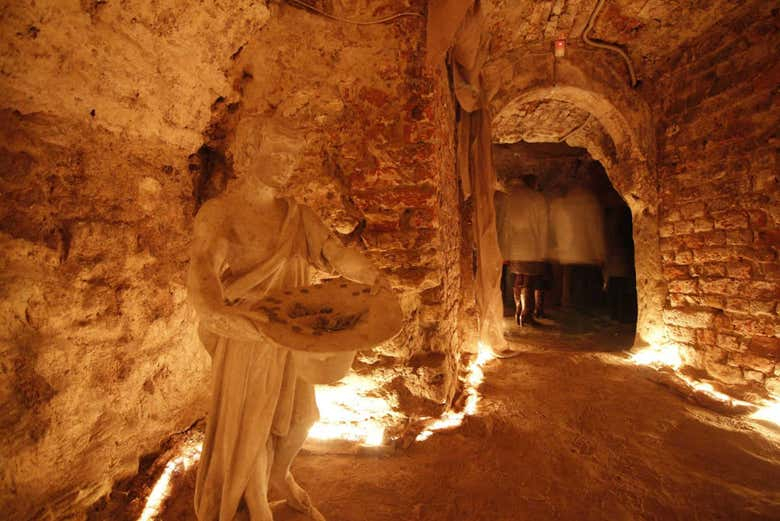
[137,68]
[540,121]
[720,221]
[551,121]
[102,104]
[98,357]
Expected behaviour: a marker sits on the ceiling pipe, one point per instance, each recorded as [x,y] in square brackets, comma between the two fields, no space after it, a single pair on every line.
[600,45]
[575,129]
[306,5]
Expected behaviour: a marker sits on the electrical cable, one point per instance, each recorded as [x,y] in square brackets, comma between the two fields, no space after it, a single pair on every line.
[575,129]
[383,20]
[614,48]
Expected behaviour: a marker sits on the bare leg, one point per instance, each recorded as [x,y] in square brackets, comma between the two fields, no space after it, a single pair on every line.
[538,303]
[287,447]
[516,293]
[525,294]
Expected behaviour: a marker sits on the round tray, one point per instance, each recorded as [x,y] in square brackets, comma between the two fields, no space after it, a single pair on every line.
[334,316]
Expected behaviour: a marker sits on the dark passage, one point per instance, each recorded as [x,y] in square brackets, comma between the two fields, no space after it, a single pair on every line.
[586,282]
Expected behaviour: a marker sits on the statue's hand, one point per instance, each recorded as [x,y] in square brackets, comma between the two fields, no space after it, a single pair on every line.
[256,316]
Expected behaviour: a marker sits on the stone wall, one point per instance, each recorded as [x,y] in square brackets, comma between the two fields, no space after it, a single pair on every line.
[98,358]
[720,221]
[139,69]
[102,104]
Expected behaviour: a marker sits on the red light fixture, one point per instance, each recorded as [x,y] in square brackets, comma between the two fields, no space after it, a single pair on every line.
[560,47]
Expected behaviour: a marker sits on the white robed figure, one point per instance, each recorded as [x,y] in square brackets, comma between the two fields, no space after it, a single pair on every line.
[248,242]
[522,222]
[577,226]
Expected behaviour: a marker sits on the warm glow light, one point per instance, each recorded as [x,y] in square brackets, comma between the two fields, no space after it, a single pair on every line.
[474,378]
[188,455]
[666,355]
[768,412]
[710,391]
[352,410]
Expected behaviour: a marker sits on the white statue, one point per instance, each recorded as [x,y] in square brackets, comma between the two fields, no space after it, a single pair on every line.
[248,242]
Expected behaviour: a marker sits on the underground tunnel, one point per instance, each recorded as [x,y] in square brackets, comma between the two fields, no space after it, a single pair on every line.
[433,260]
[584,282]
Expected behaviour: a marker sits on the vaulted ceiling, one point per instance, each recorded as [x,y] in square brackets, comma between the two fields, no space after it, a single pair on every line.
[649,30]
[540,120]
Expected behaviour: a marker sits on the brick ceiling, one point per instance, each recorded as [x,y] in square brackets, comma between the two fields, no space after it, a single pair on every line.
[649,29]
[537,121]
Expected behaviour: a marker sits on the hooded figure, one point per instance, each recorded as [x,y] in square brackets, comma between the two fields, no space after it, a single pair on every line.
[522,222]
[248,241]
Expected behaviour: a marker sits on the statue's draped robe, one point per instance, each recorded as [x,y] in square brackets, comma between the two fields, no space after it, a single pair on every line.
[254,383]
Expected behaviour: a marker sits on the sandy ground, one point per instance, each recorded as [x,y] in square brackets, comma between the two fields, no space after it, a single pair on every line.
[567,430]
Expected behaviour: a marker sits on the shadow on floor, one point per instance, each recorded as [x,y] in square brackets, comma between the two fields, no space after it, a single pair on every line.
[571,330]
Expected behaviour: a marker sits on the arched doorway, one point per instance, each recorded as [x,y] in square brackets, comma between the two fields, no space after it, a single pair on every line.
[587,109]
[584,293]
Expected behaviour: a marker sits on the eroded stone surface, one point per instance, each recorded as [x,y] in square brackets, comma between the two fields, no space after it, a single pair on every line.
[100,360]
[148,71]
[538,121]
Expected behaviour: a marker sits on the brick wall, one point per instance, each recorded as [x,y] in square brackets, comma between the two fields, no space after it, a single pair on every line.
[720,208]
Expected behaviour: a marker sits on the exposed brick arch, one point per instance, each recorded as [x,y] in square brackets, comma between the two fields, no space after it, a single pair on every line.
[618,132]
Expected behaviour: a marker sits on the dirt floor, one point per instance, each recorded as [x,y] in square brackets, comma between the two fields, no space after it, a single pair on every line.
[567,430]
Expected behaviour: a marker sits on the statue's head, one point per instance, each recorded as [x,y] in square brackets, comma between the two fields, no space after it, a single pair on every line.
[267,150]
[269,144]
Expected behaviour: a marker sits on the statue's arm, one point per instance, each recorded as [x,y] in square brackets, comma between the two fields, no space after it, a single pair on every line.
[205,288]
[348,262]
